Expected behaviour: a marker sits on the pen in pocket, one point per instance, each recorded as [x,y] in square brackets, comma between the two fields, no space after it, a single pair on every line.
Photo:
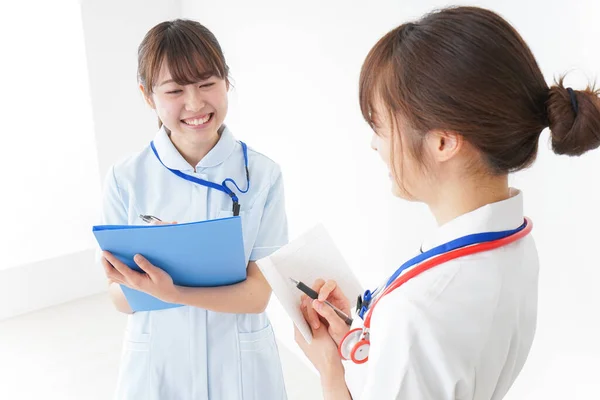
[149,218]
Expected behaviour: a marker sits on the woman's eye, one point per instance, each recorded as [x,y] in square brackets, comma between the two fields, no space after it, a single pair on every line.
[174,91]
[207,85]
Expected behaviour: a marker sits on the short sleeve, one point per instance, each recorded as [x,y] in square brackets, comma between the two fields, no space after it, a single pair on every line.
[273,228]
[113,208]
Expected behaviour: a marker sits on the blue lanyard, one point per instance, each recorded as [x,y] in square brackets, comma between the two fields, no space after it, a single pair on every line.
[223,186]
[464,241]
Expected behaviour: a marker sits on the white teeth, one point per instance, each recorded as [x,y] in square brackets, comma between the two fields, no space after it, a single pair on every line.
[196,122]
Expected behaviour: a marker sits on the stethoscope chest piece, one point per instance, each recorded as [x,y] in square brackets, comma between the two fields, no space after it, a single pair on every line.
[355,346]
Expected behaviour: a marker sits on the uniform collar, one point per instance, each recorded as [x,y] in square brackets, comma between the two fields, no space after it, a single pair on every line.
[174,160]
[495,217]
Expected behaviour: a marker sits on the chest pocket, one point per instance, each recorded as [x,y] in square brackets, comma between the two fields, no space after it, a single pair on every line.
[250,224]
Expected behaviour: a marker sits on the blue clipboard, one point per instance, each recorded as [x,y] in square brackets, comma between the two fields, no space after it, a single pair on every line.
[198,254]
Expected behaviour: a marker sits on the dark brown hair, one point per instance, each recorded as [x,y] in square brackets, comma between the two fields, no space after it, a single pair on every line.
[191,51]
[467,70]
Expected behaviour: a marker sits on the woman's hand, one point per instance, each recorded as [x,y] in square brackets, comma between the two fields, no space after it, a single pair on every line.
[161,285]
[153,280]
[316,312]
[162,223]
[322,351]
[323,354]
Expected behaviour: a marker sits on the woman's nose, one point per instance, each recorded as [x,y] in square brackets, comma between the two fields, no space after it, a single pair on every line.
[374,142]
[194,101]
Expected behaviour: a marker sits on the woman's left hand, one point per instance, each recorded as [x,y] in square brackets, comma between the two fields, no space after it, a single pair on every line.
[153,280]
[322,352]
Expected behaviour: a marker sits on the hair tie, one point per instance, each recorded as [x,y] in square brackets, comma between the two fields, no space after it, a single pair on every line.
[574,104]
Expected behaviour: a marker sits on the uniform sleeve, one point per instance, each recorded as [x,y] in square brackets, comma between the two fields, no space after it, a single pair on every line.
[114,211]
[273,228]
[406,360]
[113,207]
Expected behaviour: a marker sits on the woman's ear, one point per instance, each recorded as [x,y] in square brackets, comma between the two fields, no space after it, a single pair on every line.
[147,97]
[443,145]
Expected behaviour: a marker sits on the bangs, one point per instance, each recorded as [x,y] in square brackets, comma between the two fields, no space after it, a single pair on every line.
[189,57]
[382,79]
[376,80]
[385,88]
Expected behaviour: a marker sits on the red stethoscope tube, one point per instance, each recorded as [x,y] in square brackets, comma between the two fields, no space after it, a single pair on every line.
[355,344]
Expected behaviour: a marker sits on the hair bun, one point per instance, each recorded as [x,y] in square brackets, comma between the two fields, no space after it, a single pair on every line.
[574,119]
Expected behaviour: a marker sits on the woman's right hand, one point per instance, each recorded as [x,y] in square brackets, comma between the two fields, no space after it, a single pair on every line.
[318,312]
[162,223]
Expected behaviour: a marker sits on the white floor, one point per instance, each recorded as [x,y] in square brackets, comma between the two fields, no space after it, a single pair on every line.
[72,352]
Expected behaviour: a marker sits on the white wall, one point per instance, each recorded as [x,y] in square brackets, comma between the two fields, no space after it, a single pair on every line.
[113,31]
[48,161]
[48,142]
[296,66]
[60,144]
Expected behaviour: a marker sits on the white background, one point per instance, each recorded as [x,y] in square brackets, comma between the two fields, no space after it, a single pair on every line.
[48,160]
[295,68]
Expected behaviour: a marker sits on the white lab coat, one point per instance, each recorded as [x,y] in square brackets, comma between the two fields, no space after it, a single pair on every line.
[461,330]
[190,353]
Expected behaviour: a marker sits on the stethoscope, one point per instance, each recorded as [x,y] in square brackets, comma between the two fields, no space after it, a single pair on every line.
[355,344]
[221,187]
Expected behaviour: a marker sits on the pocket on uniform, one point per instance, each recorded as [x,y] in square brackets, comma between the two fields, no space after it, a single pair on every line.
[250,224]
[134,373]
[140,342]
[262,377]
[137,332]
[229,213]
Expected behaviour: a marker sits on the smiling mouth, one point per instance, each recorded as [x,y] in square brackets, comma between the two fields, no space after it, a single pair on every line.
[198,121]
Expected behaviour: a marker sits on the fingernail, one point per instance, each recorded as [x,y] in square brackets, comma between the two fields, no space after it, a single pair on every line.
[137,258]
[317,305]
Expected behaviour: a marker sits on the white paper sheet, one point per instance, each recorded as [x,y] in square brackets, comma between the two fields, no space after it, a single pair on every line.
[308,258]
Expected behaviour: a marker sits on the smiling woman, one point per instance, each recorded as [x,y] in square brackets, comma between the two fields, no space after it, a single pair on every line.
[171,353]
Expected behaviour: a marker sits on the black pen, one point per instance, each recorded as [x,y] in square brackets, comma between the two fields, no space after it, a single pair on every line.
[314,295]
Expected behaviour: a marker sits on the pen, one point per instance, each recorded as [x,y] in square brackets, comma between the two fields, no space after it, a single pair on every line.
[314,295]
[149,218]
